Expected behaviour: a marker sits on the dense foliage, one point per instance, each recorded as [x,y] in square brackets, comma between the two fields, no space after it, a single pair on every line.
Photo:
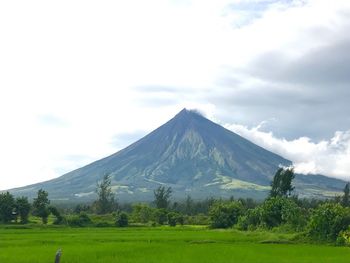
[320,220]
[122,219]
[7,206]
[327,221]
[225,214]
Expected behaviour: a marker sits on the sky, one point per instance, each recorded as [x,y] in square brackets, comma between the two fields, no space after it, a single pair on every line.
[80,80]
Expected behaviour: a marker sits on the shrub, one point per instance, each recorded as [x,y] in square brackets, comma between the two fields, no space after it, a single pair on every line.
[172,218]
[121,219]
[327,221]
[280,210]
[79,221]
[180,219]
[142,213]
[160,216]
[224,214]
[251,220]
[343,238]
[59,218]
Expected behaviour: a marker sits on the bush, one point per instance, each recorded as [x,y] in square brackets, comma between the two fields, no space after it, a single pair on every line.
[180,219]
[79,221]
[121,220]
[343,238]
[251,220]
[224,214]
[173,218]
[327,221]
[280,210]
[59,218]
[142,213]
[160,216]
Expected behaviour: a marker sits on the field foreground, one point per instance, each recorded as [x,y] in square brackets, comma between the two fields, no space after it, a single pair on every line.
[159,244]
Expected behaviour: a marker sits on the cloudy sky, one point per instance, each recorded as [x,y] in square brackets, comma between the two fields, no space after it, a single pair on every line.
[80,80]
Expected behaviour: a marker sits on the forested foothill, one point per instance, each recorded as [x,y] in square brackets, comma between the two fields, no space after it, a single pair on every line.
[313,220]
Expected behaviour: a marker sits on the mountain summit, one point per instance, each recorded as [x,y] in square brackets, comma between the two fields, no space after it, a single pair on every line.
[189,153]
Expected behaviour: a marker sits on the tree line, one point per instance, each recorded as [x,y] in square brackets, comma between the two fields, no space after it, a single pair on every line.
[326,220]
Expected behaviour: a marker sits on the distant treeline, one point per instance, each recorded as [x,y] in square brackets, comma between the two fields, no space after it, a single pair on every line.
[318,220]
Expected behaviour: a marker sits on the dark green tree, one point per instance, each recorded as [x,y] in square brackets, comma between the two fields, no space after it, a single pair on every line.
[225,214]
[40,205]
[80,220]
[7,207]
[160,216]
[162,197]
[346,197]
[281,210]
[105,202]
[59,218]
[121,219]
[22,208]
[281,184]
[172,218]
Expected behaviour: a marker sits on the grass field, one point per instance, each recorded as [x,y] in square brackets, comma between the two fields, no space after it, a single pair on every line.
[159,244]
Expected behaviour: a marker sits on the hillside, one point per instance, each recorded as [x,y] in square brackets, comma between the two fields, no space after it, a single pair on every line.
[191,154]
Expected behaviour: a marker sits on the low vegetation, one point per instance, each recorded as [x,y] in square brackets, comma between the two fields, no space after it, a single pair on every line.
[280,219]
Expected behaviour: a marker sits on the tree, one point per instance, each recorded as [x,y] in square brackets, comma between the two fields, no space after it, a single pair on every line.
[142,213]
[281,210]
[281,184]
[7,206]
[224,214]
[346,197]
[40,205]
[105,202]
[160,216]
[59,218]
[172,218]
[121,219]
[80,220]
[327,221]
[23,208]
[251,219]
[162,196]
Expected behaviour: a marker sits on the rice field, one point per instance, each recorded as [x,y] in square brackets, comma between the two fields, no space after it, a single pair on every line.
[158,245]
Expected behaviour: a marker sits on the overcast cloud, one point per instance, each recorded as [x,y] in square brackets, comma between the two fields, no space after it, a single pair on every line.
[80,80]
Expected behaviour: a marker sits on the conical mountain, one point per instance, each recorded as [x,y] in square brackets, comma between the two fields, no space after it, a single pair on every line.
[191,154]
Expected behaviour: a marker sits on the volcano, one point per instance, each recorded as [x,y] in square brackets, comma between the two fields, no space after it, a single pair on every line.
[192,155]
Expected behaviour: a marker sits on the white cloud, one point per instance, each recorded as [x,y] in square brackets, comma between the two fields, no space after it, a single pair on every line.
[328,157]
[68,70]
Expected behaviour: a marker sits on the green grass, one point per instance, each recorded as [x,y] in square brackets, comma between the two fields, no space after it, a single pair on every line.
[160,244]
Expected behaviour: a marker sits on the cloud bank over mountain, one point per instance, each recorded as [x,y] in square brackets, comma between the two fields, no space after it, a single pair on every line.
[330,157]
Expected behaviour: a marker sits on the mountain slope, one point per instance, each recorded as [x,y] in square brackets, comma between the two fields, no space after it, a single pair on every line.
[191,154]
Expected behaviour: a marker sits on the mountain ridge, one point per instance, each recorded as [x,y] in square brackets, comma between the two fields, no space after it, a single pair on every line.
[191,154]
